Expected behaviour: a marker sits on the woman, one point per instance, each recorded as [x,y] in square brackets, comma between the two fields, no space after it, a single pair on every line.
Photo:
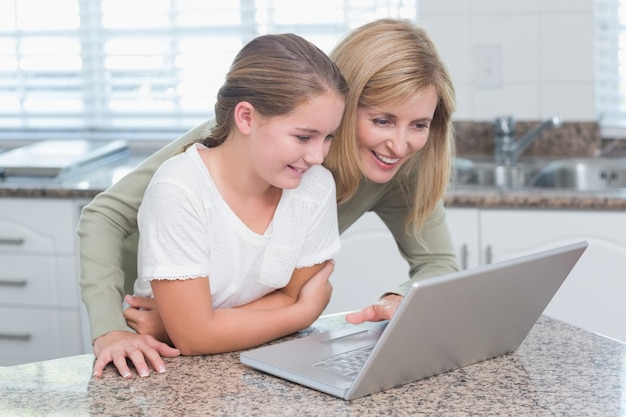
[395,160]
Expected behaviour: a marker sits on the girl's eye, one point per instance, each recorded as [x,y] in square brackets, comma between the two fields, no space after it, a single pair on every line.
[329,138]
[303,138]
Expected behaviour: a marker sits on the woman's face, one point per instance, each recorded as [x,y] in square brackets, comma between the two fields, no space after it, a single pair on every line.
[388,135]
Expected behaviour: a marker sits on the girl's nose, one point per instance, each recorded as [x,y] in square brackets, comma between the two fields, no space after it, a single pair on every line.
[316,152]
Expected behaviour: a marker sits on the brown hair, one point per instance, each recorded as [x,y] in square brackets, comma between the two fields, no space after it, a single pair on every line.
[275,73]
[385,61]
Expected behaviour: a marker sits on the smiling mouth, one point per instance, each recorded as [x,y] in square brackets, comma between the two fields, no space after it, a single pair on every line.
[301,170]
[384,159]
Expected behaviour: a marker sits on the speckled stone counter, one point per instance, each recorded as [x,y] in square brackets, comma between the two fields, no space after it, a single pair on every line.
[91,182]
[534,198]
[83,184]
[559,370]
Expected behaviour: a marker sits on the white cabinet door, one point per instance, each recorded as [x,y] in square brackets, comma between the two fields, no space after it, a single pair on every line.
[39,294]
[464,228]
[368,265]
[593,296]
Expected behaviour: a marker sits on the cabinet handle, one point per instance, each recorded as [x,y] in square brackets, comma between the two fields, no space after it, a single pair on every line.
[464,256]
[488,254]
[13,282]
[16,336]
[12,241]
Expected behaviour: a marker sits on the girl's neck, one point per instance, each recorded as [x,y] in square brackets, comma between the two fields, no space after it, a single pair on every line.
[252,199]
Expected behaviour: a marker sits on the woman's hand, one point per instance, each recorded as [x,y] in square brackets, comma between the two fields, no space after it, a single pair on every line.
[143,317]
[382,309]
[118,346]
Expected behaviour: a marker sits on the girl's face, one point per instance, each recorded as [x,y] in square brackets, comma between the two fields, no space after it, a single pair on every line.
[287,146]
[390,134]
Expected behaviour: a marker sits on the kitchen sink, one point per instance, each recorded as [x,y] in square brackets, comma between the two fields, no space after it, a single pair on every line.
[583,174]
[580,174]
[490,174]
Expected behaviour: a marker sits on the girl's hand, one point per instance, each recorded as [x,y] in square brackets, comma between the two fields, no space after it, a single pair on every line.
[143,317]
[315,294]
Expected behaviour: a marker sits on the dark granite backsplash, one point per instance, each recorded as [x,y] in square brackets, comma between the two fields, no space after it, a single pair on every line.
[572,139]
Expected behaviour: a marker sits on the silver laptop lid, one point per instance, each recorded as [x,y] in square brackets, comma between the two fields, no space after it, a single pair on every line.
[461,318]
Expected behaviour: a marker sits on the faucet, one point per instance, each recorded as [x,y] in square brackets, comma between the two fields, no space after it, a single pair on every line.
[507,149]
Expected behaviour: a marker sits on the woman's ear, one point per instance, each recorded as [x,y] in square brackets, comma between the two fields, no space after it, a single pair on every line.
[244,112]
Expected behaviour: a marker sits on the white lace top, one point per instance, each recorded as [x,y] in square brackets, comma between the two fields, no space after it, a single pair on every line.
[187,231]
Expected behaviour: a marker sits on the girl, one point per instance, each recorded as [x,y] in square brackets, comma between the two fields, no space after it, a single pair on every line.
[232,229]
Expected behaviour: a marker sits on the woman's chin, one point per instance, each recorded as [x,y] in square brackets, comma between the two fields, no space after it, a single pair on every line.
[378,176]
[378,172]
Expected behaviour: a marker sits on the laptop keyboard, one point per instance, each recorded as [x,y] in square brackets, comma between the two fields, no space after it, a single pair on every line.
[348,363]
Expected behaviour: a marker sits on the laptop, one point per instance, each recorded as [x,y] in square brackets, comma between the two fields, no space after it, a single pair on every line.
[443,323]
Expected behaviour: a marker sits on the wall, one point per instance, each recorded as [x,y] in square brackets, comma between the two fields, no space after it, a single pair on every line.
[530,58]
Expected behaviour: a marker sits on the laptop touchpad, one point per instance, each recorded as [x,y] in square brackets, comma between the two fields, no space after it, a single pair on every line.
[360,338]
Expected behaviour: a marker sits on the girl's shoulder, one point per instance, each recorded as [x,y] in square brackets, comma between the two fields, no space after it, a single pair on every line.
[184,168]
[316,180]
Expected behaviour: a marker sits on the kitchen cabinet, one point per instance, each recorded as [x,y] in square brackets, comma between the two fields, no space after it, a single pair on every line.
[40,308]
[592,297]
[368,265]
[464,226]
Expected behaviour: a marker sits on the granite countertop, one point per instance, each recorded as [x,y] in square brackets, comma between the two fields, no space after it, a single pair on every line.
[492,197]
[88,183]
[558,370]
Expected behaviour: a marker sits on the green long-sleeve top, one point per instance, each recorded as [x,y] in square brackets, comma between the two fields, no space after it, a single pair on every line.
[108,236]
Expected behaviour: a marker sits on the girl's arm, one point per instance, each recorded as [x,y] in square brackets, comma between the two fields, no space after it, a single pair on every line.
[144,317]
[195,328]
[287,295]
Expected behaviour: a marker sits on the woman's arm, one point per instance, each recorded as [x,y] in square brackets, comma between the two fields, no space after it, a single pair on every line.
[108,241]
[434,257]
[195,328]
[430,254]
[107,231]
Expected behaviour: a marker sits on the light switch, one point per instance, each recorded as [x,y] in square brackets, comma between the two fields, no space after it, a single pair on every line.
[488,66]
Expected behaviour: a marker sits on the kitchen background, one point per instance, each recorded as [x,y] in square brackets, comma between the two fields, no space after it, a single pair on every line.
[532,59]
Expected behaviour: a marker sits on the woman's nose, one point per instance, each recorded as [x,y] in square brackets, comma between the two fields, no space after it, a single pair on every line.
[397,143]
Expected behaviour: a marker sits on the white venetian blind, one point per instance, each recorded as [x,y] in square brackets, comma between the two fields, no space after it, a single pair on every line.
[101,67]
[610,64]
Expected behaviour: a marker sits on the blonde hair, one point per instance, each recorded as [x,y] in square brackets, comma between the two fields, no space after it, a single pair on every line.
[390,60]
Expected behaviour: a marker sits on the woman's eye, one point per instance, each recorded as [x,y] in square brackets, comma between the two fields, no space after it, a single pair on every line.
[381,122]
[303,138]
[422,125]
[329,138]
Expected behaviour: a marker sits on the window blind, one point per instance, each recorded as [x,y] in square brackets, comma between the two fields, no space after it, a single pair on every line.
[100,67]
[610,65]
